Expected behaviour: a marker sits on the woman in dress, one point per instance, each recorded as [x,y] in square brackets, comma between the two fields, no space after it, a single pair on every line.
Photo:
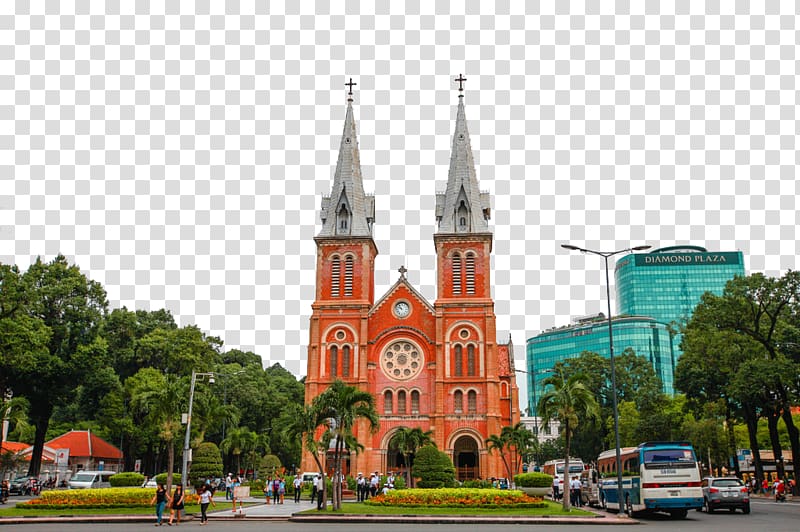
[176,506]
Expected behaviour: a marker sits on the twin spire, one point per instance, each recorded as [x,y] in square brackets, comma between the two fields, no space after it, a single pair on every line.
[462,208]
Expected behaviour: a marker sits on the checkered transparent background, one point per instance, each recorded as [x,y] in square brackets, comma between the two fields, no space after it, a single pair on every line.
[178,156]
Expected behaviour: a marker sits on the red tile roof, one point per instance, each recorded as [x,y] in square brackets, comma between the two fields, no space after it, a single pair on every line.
[83,443]
[14,446]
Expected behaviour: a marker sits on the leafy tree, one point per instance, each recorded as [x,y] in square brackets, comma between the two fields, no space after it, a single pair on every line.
[240,440]
[345,406]
[71,307]
[565,399]
[269,467]
[179,351]
[516,440]
[206,463]
[434,468]
[407,441]
[301,424]
[161,398]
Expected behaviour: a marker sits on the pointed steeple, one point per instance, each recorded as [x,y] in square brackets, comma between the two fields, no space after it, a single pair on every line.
[462,208]
[348,211]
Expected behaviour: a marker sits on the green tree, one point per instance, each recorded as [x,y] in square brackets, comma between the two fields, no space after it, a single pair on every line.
[407,441]
[206,463]
[515,440]
[269,467]
[345,406]
[301,424]
[161,398]
[434,468]
[240,440]
[565,399]
[72,307]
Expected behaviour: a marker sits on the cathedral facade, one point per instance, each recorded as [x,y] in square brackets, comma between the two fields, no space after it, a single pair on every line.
[434,366]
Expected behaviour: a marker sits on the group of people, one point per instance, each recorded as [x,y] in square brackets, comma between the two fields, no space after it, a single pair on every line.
[162,499]
[574,490]
[275,489]
[777,487]
[369,487]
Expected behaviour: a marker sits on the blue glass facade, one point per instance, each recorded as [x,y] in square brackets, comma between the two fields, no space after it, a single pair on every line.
[646,336]
[667,283]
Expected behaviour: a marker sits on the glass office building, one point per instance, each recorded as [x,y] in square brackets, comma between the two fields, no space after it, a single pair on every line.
[646,336]
[667,283]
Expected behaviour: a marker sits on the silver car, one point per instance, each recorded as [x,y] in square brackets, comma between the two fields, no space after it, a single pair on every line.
[725,492]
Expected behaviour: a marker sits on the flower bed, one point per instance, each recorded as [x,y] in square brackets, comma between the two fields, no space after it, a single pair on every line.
[96,498]
[457,497]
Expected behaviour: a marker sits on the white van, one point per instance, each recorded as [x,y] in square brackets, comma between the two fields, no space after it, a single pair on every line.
[91,479]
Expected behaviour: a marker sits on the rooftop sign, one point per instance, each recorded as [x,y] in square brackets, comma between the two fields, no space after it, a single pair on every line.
[686,259]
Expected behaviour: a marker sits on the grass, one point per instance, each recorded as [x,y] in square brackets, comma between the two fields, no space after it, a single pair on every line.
[13,511]
[350,508]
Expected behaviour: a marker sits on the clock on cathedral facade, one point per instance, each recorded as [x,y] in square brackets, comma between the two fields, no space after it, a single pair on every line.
[434,366]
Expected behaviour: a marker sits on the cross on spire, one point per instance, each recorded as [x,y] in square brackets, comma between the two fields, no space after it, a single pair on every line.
[461,79]
[350,92]
[402,271]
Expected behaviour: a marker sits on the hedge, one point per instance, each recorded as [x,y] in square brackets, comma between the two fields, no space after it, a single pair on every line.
[122,480]
[95,498]
[456,498]
[533,480]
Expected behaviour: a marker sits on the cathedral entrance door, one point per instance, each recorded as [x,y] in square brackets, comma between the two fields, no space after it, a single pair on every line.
[465,454]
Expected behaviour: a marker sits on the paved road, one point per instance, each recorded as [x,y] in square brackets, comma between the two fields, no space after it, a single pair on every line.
[765,515]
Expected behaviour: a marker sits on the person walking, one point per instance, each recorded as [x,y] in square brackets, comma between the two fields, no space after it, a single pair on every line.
[555,488]
[160,500]
[176,506]
[206,498]
[314,488]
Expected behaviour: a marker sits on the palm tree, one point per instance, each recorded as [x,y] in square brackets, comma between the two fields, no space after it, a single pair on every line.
[345,405]
[565,399]
[161,399]
[302,424]
[240,440]
[407,442]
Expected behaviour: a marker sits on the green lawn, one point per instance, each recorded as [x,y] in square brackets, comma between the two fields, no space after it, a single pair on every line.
[13,511]
[554,509]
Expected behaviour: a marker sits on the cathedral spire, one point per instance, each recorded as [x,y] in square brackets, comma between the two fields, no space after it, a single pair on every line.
[348,211]
[462,208]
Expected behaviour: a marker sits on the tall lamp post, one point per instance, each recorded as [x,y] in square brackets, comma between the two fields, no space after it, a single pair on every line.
[606,255]
[186,450]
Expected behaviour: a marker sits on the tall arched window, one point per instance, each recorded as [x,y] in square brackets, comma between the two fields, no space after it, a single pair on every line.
[471,360]
[348,276]
[458,402]
[336,267]
[334,360]
[456,274]
[415,402]
[387,402]
[401,402]
[346,361]
[472,402]
[458,363]
[470,272]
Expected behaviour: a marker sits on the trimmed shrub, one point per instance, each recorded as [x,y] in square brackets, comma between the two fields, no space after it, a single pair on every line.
[433,468]
[270,466]
[477,484]
[456,498]
[533,480]
[124,480]
[161,478]
[206,463]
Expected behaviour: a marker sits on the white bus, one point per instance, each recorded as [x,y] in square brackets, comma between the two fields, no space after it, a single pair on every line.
[556,469]
[656,477]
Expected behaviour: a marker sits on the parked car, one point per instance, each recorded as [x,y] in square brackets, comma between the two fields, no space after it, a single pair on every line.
[725,492]
[17,486]
[149,483]
[91,479]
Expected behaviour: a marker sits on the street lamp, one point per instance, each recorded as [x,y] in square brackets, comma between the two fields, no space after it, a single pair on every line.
[606,255]
[186,450]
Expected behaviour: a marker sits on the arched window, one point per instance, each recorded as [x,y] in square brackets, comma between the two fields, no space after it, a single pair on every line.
[348,276]
[346,361]
[387,402]
[401,402]
[472,402]
[470,272]
[471,360]
[415,402]
[458,402]
[456,274]
[336,267]
[334,360]
[458,363]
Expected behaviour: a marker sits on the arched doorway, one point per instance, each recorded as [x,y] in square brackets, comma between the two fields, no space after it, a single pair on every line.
[465,458]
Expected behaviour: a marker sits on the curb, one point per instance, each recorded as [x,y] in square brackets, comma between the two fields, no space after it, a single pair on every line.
[463,520]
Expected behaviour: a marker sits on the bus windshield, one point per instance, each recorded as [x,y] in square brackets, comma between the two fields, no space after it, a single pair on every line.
[668,455]
[573,468]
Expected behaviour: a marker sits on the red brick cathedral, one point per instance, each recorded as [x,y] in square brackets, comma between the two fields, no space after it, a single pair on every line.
[435,366]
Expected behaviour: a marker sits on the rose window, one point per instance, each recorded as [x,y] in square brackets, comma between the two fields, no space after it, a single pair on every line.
[401,360]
